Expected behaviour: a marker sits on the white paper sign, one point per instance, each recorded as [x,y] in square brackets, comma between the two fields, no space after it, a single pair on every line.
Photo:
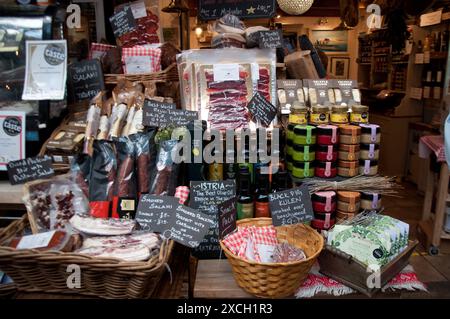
[46,70]
[226,72]
[431,18]
[12,137]
[36,241]
[138,9]
[138,65]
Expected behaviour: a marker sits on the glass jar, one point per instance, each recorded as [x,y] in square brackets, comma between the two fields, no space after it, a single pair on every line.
[370,133]
[339,114]
[370,201]
[349,134]
[348,168]
[303,153]
[348,202]
[304,135]
[299,114]
[369,151]
[324,202]
[348,152]
[290,132]
[359,114]
[327,134]
[326,169]
[320,115]
[303,169]
[326,153]
[368,167]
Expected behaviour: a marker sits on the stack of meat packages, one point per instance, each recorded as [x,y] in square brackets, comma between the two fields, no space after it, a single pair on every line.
[146,32]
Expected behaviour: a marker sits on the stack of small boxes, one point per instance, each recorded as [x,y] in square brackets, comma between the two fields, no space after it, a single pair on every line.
[348,155]
[369,149]
[301,151]
[327,151]
[324,207]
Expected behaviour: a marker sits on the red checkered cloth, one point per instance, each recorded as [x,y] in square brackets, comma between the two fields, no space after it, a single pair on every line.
[182,193]
[236,240]
[98,50]
[432,143]
[153,53]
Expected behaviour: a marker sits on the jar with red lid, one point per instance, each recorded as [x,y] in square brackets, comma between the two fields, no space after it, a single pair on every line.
[326,224]
[324,202]
[327,153]
[326,169]
[327,134]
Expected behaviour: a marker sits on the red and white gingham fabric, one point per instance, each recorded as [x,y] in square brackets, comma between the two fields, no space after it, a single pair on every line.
[236,240]
[153,53]
[98,50]
[182,193]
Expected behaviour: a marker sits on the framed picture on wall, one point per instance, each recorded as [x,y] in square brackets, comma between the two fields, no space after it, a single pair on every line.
[340,67]
[330,40]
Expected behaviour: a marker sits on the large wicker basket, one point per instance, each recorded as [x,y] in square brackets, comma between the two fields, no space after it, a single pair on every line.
[281,279]
[169,74]
[37,271]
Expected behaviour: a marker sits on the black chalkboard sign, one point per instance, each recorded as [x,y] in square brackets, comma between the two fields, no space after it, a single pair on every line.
[85,80]
[261,109]
[163,214]
[271,39]
[227,217]
[29,169]
[206,196]
[292,206]
[160,114]
[122,22]
[216,9]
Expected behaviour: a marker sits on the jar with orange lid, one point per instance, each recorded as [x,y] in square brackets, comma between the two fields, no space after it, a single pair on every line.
[348,152]
[348,202]
[349,134]
[348,168]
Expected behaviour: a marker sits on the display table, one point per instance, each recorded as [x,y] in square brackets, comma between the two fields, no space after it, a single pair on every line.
[430,228]
[10,194]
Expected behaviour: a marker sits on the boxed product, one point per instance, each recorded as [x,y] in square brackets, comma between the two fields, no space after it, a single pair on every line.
[290,93]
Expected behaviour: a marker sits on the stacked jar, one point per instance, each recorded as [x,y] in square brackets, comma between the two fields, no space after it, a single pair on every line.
[327,151]
[370,201]
[303,151]
[369,149]
[347,206]
[324,207]
[348,154]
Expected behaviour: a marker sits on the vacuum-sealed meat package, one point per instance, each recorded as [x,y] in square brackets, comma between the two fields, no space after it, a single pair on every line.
[146,153]
[164,178]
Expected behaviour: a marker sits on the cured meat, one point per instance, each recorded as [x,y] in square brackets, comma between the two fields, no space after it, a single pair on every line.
[150,240]
[102,227]
[131,253]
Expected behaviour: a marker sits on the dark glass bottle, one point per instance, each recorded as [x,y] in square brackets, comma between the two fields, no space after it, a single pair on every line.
[262,208]
[280,182]
[245,206]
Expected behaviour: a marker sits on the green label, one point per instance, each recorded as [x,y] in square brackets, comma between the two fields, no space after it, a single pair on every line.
[245,210]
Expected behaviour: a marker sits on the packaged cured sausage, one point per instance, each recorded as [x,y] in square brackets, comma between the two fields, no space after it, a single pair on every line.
[80,170]
[146,153]
[93,121]
[164,178]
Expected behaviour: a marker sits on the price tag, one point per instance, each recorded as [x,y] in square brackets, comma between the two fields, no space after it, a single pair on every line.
[36,241]
[226,72]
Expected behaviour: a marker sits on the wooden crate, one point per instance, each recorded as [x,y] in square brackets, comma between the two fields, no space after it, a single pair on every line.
[347,270]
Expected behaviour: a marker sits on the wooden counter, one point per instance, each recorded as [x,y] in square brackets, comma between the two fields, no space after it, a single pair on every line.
[10,194]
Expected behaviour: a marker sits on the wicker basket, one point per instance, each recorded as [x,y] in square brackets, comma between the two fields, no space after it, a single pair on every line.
[169,74]
[281,279]
[37,271]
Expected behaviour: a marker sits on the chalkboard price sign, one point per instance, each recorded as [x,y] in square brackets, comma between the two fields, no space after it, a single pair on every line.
[290,207]
[163,114]
[154,212]
[216,9]
[206,196]
[271,39]
[261,109]
[29,169]
[227,217]
[123,22]
[85,80]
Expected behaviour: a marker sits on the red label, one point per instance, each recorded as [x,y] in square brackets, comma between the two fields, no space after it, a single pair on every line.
[262,209]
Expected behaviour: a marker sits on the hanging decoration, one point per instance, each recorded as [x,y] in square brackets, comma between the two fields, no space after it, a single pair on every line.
[295,7]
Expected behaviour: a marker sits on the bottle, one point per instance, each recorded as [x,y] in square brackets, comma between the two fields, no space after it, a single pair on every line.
[432,42]
[426,44]
[280,182]
[419,47]
[437,41]
[427,79]
[438,82]
[245,205]
[262,208]
[444,41]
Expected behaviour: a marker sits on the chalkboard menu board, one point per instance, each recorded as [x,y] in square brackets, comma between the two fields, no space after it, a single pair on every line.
[163,114]
[216,9]
[85,80]
[261,109]
[270,39]
[206,196]
[29,169]
[123,22]
[290,207]
[227,217]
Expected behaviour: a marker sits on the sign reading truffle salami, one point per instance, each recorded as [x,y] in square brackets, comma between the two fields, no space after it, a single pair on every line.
[85,79]
[29,169]
[271,39]
[261,109]
[161,114]
[216,9]
[290,207]
[206,196]
[227,217]
[123,22]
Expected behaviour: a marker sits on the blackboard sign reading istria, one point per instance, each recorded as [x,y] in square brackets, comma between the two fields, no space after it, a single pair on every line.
[29,169]
[85,80]
[290,207]
[227,217]
[216,9]
[271,39]
[261,109]
[206,196]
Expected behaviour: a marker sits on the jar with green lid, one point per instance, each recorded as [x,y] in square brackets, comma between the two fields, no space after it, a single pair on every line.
[359,114]
[339,114]
[290,132]
[304,135]
[302,169]
[289,164]
[319,115]
[299,114]
[289,147]
[304,153]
